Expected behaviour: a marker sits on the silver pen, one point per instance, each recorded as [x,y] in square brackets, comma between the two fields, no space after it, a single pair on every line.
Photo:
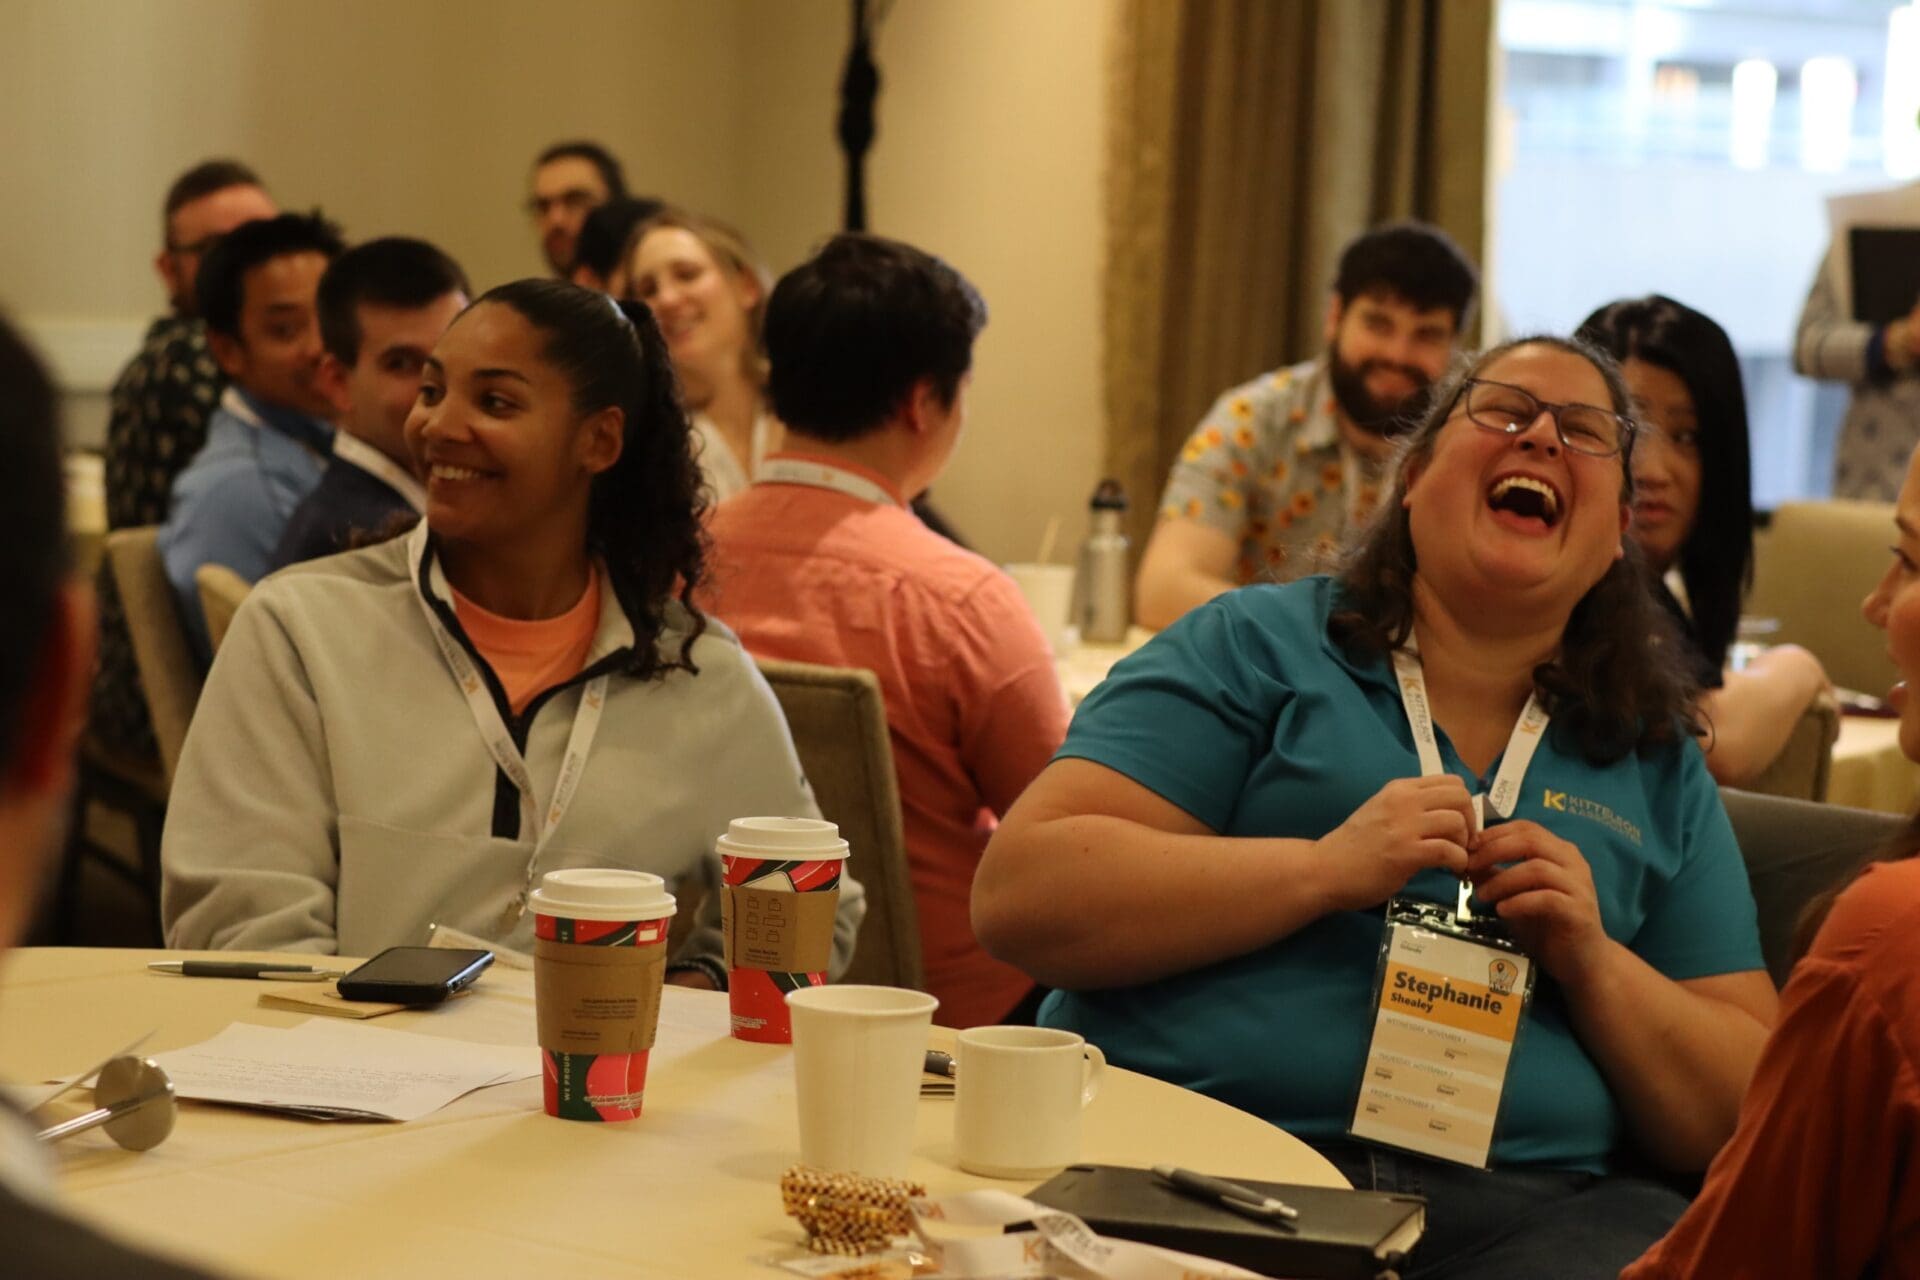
[245,969]
[1228,1195]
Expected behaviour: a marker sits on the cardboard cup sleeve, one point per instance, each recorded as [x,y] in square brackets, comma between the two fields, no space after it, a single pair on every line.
[597,1000]
[778,930]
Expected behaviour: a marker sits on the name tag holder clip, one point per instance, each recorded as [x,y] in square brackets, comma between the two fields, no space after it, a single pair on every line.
[1450,995]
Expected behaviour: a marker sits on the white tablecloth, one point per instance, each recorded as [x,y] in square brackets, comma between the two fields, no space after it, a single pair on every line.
[490,1186]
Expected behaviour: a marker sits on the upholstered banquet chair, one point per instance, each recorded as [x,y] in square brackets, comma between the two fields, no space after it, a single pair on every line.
[839,725]
[221,591]
[160,646]
[1813,566]
[1794,850]
[1804,767]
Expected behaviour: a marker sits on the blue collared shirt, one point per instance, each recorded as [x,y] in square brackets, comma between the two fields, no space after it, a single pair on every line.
[232,503]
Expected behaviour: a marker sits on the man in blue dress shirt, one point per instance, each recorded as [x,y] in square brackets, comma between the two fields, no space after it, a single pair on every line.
[268,442]
[383,306]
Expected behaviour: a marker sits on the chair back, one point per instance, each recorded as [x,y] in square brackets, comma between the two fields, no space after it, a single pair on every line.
[1795,849]
[168,674]
[839,724]
[1804,766]
[1813,566]
[221,591]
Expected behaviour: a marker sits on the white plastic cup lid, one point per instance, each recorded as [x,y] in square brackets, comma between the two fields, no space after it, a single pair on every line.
[808,839]
[602,893]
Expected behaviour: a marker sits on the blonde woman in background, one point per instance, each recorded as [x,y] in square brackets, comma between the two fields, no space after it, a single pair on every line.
[708,289]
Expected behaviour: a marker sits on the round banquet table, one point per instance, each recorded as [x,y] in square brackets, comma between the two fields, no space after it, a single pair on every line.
[1869,769]
[490,1186]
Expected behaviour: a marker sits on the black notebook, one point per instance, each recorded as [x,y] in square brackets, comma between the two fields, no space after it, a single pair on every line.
[1886,272]
[1340,1235]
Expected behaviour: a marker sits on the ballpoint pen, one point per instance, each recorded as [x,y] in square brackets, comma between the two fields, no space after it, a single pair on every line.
[245,969]
[1228,1195]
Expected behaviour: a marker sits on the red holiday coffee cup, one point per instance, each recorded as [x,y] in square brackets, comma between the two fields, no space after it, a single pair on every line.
[599,960]
[782,895]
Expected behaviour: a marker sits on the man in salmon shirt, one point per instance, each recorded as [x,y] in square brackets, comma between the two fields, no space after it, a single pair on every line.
[821,560]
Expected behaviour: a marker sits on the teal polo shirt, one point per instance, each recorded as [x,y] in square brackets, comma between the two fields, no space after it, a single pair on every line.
[1248,716]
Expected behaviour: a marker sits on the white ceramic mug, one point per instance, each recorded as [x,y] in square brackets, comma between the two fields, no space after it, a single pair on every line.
[1018,1095]
[857,1057]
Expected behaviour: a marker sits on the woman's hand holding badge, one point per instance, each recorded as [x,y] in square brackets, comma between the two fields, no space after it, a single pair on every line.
[1541,887]
[1409,826]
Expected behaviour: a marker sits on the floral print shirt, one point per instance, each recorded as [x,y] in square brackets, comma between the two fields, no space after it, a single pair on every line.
[161,403]
[1268,467]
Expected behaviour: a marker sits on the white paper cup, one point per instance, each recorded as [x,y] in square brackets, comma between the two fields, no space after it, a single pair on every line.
[1049,592]
[857,1058]
[602,893]
[597,1018]
[1018,1095]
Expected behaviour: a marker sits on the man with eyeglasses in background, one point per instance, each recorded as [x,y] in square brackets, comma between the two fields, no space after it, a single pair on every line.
[161,403]
[1284,467]
[570,180]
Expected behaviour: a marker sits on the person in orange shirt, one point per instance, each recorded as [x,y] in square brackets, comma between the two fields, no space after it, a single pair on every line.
[1820,1177]
[821,561]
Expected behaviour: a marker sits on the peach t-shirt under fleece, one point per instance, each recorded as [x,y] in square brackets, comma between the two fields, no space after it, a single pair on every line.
[531,657]
[974,706]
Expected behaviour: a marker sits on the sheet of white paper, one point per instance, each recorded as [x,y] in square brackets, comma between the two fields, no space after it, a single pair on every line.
[346,1069]
[497,1010]
[1888,207]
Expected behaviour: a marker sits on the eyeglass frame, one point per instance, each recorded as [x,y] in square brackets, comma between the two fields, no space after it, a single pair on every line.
[1629,429]
[198,248]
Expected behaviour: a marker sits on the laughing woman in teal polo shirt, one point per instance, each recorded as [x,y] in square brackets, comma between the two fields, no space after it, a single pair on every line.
[1202,871]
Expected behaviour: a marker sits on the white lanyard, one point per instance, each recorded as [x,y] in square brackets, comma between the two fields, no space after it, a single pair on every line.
[493,730]
[822,475]
[1525,740]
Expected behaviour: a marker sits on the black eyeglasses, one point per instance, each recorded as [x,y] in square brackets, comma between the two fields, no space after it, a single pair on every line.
[1583,428]
[198,248]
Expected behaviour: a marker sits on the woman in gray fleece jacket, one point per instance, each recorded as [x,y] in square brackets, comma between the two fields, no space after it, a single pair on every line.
[413,732]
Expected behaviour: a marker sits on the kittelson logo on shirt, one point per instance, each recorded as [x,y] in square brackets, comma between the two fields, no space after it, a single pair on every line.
[1580,807]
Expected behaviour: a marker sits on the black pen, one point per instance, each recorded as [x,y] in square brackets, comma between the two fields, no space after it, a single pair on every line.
[1228,1195]
[244,969]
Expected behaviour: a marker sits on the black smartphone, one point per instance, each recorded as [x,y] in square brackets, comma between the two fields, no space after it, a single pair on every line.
[415,975]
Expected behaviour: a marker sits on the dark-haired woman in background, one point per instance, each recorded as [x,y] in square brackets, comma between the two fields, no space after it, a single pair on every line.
[1822,1175]
[1251,784]
[414,732]
[1693,518]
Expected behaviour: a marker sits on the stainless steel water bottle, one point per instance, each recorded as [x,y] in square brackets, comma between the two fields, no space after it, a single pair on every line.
[1106,605]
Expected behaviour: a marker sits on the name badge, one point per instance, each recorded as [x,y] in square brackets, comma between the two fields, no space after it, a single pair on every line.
[1449,1000]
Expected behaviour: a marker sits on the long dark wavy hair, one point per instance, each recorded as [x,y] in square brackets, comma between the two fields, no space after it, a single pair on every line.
[1716,559]
[644,512]
[1617,683]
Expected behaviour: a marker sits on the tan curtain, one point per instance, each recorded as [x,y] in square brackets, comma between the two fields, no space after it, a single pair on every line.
[1250,140]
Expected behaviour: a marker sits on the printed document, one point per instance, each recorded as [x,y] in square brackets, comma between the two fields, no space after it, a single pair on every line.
[333,1070]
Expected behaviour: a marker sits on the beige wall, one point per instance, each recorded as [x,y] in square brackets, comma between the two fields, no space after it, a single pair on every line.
[421,115]
[393,115]
[991,138]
